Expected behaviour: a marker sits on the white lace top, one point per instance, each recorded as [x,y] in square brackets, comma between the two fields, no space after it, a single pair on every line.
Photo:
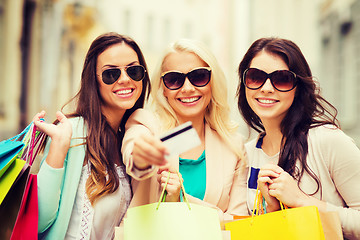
[98,222]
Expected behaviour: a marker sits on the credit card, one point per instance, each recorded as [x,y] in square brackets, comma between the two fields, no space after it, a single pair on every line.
[181,139]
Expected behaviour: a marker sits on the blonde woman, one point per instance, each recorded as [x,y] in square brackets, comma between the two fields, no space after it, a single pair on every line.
[188,85]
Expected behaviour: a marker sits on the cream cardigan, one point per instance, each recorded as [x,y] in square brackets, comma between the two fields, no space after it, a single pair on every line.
[335,159]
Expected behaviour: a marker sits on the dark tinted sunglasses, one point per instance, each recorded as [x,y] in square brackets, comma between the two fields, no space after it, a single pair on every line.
[199,77]
[281,80]
[136,73]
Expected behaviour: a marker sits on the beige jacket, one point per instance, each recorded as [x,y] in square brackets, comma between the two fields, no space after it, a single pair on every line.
[225,173]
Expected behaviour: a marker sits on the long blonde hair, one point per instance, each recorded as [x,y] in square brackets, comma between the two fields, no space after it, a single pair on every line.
[217,112]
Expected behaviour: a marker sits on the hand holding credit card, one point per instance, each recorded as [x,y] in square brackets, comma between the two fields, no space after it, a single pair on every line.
[181,139]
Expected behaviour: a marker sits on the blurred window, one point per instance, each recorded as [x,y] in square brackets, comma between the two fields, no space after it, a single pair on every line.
[2,60]
[167,31]
[127,21]
[348,70]
[150,31]
[188,30]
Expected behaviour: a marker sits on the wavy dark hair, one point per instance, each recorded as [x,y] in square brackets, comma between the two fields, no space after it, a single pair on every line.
[103,144]
[307,111]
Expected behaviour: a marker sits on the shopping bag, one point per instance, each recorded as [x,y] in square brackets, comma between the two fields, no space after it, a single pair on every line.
[331,224]
[9,150]
[26,225]
[14,182]
[172,220]
[295,223]
[11,203]
[10,177]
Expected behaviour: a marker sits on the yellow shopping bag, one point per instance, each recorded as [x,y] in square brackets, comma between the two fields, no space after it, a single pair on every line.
[172,220]
[295,223]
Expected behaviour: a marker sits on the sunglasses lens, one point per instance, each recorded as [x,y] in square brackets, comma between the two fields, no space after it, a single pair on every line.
[136,73]
[254,78]
[199,77]
[110,76]
[174,80]
[283,80]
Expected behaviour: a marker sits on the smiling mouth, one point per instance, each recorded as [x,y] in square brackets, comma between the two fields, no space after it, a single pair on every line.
[266,101]
[189,100]
[124,91]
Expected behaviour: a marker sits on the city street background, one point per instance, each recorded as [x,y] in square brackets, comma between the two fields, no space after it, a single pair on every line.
[43,45]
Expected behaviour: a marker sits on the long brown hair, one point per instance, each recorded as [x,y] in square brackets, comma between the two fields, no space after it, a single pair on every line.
[308,110]
[103,144]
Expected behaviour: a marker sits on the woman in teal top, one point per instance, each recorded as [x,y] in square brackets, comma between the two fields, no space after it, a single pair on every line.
[194,175]
[189,85]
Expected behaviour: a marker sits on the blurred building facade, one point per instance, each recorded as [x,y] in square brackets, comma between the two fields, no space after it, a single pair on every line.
[43,44]
[340,61]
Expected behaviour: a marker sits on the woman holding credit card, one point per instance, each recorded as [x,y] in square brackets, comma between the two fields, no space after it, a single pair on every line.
[301,157]
[188,85]
[83,188]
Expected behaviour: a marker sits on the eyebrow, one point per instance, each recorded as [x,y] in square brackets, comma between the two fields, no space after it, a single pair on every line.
[130,64]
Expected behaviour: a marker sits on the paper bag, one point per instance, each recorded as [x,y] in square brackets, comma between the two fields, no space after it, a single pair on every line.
[172,220]
[295,223]
[18,189]
[331,224]
[11,203]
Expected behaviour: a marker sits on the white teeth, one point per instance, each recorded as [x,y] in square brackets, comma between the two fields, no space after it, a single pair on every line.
[189,100]
[125,91]
[266,101]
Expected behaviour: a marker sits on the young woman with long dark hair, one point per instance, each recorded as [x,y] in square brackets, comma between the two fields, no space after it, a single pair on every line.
[83,188]
[301,157]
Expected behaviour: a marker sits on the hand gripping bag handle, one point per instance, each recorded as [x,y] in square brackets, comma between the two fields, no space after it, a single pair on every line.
[163,194]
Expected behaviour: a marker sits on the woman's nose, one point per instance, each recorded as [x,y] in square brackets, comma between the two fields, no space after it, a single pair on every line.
[124,77]
[187,85]
[267,87]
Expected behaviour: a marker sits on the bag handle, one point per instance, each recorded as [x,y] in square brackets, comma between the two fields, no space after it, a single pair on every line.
[182,191]
[23,133]
[29,156]
[32,140]
[36,140]
[260,204]
[256,208]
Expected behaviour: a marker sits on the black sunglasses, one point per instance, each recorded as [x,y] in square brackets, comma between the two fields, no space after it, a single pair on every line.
[136,73]
[199,77]
[281,80]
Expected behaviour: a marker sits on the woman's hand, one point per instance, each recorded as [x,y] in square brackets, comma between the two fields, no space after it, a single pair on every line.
[173,187]
[60,135]
[286,190]
[266,177]
[277,185]
[148,150]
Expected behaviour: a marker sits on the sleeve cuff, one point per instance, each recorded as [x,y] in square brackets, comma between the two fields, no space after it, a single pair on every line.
[140,174]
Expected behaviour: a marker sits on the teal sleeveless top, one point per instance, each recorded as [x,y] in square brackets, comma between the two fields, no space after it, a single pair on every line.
[194,175]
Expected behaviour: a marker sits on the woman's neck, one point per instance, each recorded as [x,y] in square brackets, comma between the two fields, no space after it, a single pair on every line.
[113,118]
[272,140]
